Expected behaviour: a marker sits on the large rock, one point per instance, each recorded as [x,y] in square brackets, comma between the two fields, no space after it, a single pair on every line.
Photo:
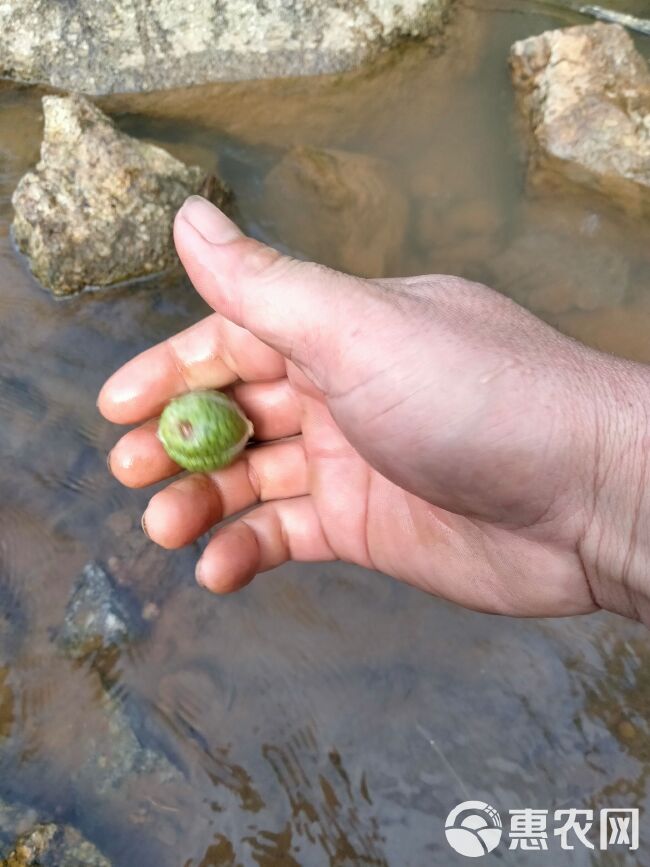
[125,45]
[99,206]
[585,95]
[340,208]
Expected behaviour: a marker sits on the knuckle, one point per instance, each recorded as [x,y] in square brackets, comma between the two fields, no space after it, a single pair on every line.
[253,478]
[256,261]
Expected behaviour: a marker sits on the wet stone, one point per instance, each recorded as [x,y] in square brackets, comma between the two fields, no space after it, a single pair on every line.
[118,754]
[584,95]
[99,617]
[536,271]
[98,208]
[337,207]
[121,45]
[440,223]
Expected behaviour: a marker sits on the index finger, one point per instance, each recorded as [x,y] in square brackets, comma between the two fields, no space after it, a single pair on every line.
[213,353]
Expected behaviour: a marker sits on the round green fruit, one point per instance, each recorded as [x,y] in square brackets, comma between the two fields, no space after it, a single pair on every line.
[203,430]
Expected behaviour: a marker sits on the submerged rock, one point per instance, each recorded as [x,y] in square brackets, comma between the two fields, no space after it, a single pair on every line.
[339,208]
[121,45]
[99,206]
[99,617]
[51,845]
[117,755]
[585,96]
[550,275]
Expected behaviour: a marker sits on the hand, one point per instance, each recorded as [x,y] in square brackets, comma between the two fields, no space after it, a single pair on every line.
[426,427]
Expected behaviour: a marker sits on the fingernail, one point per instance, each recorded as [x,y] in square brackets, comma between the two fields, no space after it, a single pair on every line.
[108,461]
[198,575]
[211,223]
[143,524]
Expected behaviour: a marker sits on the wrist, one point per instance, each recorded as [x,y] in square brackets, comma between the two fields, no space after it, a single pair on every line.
[615,547]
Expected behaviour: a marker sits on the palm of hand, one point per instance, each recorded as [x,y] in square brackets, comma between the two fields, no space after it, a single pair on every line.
[369,520]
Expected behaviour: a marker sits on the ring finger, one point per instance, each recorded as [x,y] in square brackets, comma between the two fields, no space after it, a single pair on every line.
[190,506]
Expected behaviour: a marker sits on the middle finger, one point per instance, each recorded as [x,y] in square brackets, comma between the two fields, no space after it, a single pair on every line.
[138,459]
[189,507]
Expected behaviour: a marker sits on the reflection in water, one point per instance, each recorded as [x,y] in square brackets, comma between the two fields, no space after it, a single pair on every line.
[326,715]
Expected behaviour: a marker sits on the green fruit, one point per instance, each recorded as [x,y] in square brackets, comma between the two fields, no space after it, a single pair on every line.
[203,430]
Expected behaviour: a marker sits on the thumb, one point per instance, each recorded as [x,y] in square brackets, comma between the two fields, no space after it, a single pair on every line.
[296,307]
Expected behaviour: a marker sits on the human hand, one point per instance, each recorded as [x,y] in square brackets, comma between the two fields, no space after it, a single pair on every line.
[426,427]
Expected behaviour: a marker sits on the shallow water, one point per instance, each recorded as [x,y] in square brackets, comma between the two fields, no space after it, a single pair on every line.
[326,715]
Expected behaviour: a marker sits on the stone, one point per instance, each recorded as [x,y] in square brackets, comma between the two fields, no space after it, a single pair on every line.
[99,206]
[584,94]
[117,754]
[550,274]
[337,207]
[121,45]
[99,617]
[52,845]
[442,223]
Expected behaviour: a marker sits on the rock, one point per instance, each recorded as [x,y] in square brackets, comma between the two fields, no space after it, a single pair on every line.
[99,618]
[117,755]
[549,274]
[585,95]
[51,845]
[442,223]
[99,206]
[121,45]
[339,208]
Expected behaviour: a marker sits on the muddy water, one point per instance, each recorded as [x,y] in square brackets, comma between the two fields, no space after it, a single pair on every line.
[326,715]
